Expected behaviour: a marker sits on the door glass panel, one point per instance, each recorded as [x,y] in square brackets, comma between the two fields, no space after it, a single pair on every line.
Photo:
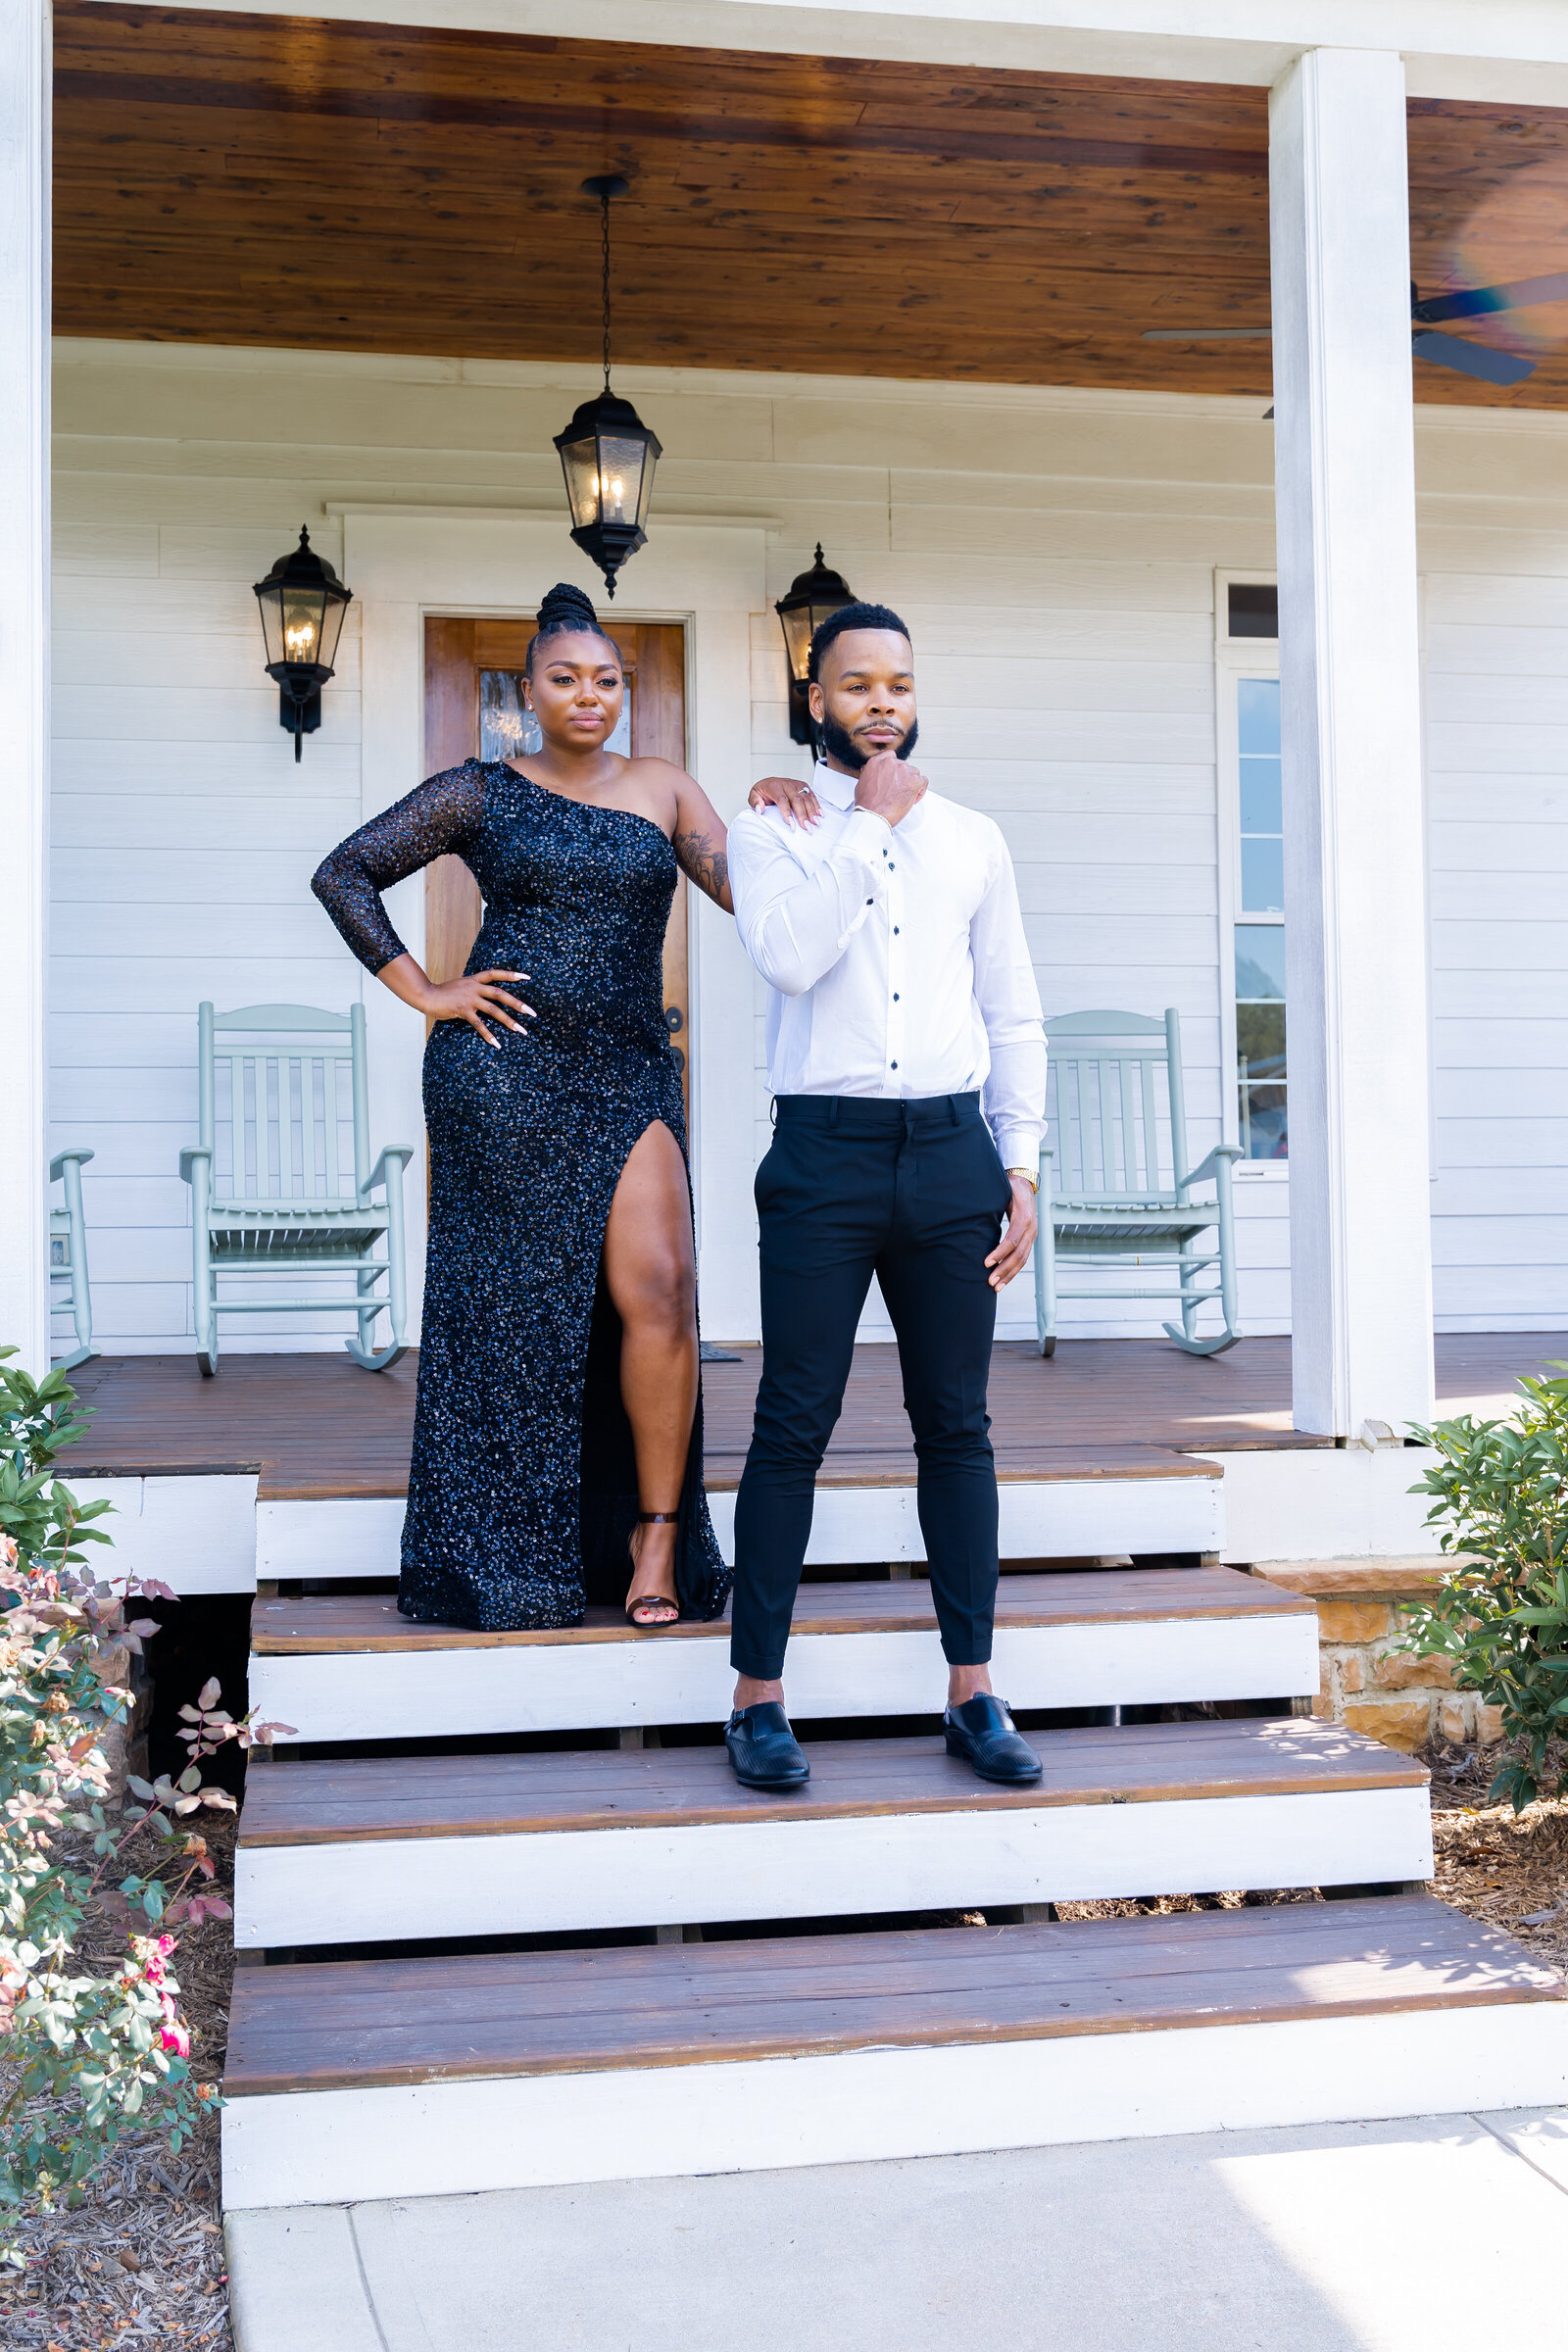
[1261,798]
[1260,1068]
[509,732]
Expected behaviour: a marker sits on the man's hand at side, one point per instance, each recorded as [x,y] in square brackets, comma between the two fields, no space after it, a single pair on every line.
[1007,1257]
[889,787]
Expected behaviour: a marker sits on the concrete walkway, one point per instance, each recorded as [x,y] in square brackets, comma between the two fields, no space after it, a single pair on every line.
[1354,2237]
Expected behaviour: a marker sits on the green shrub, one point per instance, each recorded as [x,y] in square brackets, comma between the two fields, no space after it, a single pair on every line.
[1499,1493]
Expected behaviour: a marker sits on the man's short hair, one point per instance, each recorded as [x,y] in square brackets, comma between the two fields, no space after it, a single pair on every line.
[850,616]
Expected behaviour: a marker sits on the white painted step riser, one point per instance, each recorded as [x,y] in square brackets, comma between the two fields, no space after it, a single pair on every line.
[563,1686]
[378,1890]
[851,1526]
[447,2139]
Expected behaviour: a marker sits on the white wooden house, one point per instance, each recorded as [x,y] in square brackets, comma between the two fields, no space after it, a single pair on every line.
[1065,540]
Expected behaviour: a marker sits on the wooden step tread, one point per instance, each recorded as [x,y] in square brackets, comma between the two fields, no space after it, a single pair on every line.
[332,1624]
[368,1799]
[890,1463]
[378,2022]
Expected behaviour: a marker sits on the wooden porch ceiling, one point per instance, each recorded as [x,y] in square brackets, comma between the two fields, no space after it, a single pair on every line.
[275,180]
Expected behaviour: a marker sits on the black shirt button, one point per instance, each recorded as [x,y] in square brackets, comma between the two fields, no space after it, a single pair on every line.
[895,1065]
[895,996]
[895,930]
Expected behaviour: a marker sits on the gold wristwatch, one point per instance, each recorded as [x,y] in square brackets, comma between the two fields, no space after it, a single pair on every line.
[1033,1181]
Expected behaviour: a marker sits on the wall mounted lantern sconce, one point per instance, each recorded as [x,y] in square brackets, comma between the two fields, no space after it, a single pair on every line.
[812,596]
[607,454]
[303,603]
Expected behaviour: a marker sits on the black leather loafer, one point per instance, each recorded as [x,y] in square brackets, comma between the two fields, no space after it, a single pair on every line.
[982,1731]
[764,1750]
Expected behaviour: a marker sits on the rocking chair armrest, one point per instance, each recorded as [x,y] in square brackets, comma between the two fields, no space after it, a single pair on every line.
[191,1153]
[390,1166]
[57,1167]
[1208,1169]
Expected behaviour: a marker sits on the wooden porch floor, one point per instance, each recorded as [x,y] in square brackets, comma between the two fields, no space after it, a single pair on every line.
[316,1426]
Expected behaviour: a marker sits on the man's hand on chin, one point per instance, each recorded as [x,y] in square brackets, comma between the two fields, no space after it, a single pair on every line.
[889,787]
[1007,1257]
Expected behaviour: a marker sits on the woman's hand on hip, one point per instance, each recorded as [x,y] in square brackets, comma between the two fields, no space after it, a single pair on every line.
[477,998]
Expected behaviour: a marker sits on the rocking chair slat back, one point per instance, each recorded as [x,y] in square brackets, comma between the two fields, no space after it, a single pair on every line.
[276,1099]
[1113,1111]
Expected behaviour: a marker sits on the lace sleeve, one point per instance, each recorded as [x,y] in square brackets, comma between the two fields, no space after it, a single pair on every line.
[443,815]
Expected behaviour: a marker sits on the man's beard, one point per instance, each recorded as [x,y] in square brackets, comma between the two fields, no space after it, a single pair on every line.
[841,744]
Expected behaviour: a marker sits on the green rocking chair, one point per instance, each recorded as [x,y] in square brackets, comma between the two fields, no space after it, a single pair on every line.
[272,1193]
[1117,1111]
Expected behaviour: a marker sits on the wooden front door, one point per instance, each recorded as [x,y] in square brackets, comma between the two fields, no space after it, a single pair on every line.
[474,708]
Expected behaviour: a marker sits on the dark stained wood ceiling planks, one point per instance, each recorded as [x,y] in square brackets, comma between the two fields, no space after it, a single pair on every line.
[255,180]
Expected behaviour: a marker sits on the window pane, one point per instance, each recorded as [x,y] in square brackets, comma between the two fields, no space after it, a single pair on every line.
[1264,1123]
[1258,711]
[1261,1038]
[1259,962]
[1254,612]
[1263,808]
[1263,875]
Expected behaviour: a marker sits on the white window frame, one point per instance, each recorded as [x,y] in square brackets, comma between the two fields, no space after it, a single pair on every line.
[1234,659]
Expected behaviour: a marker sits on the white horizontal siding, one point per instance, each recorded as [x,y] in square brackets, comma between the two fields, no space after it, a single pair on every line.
[1496,633]
[1062,608]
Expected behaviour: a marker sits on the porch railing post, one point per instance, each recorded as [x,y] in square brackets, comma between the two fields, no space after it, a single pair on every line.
[1349,675]
[24,59]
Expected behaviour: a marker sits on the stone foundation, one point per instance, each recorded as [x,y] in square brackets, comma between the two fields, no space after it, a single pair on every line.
[1368,1682]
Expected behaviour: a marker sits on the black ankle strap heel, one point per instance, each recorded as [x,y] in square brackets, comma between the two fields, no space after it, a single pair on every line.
[669,1611]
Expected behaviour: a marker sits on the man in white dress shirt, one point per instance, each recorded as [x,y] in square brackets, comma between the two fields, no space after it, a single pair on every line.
[907,1060]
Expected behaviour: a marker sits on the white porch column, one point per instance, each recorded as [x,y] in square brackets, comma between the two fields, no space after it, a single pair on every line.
[25,51]
[1349,671]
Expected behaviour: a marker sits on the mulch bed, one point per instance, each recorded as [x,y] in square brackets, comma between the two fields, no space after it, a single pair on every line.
[1512,1873]
[143,2259]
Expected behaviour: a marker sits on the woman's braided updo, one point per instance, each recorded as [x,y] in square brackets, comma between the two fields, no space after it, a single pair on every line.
[566,610]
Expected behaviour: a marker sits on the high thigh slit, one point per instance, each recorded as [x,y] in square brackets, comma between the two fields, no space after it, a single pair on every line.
[522,1485]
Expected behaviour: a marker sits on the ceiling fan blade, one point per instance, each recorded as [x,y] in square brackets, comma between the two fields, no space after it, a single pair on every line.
[1207,334]
[1518,296]
[1472,358]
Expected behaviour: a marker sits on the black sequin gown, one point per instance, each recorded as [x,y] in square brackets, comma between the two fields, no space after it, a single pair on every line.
[523,1488]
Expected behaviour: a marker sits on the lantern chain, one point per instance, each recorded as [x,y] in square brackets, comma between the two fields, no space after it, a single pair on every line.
[604,227]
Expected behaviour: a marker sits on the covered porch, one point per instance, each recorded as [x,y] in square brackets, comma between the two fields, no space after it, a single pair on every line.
[924,312]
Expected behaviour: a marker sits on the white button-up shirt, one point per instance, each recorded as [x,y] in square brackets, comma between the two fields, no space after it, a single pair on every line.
[894,958]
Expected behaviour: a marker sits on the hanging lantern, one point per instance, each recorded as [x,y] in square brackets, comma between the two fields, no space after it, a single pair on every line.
[812,596]
[302,602]
[607,454]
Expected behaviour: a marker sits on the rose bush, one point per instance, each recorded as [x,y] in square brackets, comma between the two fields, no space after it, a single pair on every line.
[86,2051]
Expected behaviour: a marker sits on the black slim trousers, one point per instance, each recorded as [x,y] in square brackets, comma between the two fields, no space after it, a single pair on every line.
[913,1192]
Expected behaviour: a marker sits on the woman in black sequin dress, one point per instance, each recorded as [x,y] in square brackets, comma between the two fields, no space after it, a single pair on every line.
[558,1440]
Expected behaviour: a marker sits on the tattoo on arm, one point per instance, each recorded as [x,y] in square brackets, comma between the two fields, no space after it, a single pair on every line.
[707,867]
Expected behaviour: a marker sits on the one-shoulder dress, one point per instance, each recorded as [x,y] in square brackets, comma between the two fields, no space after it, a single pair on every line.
[522,1487]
